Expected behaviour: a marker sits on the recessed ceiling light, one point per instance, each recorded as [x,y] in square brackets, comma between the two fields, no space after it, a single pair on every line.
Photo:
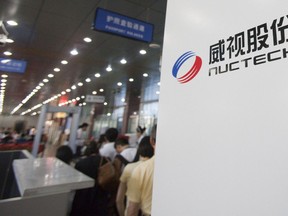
[64,62]
[9,40]
[87,39]
[88,80]
[3,80]
[84,104]
[45,80]
[82,96]
[68,90]
[123,99]
[77,98]
[94,92]
[73,87]
[7,53]
[41,84]
[80,84]
[157,92]
[63,92]
[50,75]
[56,69]
[101,90]
[145,75]
[97,75]
[4,75]
[131,79]
[109,68]
[119,84]
[12,23]
[3,84]
[35,90]
[108,114]
[154,45]
[123,61]
[74,52]
[38,87]
[142,52]
[158,83]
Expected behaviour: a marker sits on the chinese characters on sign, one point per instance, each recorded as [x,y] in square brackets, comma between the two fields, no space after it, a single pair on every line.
[253,40]
[115,23]
[12,65]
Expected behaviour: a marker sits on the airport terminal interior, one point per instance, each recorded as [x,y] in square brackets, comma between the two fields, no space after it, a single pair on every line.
[68,66]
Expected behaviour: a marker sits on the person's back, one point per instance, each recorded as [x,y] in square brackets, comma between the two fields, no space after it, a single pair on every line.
[145,151]
[90,201]
[140,186]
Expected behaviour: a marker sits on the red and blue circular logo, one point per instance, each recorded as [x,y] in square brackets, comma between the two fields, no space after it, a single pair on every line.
[192,72]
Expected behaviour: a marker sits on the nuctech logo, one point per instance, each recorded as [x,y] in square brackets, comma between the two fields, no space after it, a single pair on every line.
[193,70]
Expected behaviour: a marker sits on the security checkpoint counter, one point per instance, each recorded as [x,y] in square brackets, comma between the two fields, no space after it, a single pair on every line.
[45,186]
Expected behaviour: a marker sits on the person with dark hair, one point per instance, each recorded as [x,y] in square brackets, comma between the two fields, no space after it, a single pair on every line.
[139,192]
[108,150]
[125,153]
[65,154]
[81,138]
[145,152]
[140,133]
[90,201]
[101,140]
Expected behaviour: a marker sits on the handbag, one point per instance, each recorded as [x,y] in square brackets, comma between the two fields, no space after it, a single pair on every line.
[107,175]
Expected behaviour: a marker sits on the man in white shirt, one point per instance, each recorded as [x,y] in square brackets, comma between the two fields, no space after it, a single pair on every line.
[108,150]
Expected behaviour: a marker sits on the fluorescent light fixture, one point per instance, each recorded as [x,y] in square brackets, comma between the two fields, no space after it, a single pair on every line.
[7,53]
[74,52]
[142,52]
[87,39]
[109,68]
[123,61]
[64,62]
[8,40]
[12,23]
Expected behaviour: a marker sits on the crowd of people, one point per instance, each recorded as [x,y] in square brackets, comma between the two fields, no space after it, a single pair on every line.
[133,194]
[7,135]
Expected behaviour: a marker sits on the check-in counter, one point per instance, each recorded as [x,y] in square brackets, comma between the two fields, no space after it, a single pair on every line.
[45,186]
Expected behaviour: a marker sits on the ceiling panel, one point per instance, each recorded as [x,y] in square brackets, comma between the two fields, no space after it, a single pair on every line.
[49,29]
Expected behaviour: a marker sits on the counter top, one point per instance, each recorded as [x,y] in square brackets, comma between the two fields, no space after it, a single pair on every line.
[48,175]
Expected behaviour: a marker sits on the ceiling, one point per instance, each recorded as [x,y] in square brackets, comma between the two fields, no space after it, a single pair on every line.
[48,30]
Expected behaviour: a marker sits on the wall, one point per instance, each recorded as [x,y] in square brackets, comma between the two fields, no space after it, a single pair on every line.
[222,136]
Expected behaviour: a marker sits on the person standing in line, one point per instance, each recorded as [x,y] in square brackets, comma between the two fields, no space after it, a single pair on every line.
[140,133]
[140,186]
[145,152]
[81,138]
[107,149]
